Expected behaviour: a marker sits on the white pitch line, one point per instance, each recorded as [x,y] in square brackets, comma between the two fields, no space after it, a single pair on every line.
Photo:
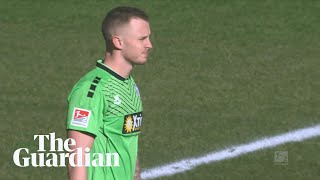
[231,152]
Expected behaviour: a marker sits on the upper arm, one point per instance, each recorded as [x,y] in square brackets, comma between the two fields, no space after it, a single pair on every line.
[76,168]
[82,139]
[85,108]
[85,114]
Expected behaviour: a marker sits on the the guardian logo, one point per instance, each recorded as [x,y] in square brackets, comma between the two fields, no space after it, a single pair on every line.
[56,156]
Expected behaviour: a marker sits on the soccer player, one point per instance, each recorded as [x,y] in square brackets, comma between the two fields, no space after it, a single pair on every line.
[104,107]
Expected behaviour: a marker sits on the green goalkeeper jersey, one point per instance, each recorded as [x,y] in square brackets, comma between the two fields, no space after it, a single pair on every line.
[108,106]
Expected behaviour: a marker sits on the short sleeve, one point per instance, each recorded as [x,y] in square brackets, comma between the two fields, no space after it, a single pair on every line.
[85,109]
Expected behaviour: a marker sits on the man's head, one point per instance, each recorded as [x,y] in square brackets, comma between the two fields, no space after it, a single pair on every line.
[127,31]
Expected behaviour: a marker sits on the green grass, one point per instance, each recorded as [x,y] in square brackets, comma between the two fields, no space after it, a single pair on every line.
[221,73]
[261,165]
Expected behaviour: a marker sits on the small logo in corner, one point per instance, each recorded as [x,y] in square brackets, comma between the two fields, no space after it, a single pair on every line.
[281,158]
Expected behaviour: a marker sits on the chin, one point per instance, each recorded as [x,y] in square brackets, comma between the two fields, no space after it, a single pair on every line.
[140,61]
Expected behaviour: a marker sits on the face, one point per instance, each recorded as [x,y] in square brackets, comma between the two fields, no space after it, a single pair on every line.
[136,41]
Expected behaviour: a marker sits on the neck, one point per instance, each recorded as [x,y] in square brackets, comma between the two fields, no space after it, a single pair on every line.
[118,64]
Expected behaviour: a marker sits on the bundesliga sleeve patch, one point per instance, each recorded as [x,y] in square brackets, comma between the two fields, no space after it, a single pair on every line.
[80,117]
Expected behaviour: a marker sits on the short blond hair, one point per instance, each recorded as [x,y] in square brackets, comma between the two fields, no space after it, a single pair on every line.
[118,17]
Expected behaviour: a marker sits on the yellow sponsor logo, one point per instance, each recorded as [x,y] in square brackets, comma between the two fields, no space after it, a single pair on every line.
[132,123]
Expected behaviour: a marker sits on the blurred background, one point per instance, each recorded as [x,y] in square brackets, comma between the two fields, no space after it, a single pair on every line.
[221,73]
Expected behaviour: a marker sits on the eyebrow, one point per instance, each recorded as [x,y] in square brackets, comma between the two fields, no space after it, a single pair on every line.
[144,37]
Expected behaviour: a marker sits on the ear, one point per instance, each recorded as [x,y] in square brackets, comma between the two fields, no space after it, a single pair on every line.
[117,42]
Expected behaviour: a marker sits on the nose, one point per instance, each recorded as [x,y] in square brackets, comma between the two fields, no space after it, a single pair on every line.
[148,44]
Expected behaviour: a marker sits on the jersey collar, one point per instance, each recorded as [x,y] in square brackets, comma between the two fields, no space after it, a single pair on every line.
[107,69]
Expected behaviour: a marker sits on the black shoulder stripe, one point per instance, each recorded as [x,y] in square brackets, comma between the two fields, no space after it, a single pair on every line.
[93,86]
[90,94]
[96,80]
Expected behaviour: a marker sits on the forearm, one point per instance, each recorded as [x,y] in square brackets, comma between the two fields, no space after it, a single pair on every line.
[137,171]
[77,173]
[76,167]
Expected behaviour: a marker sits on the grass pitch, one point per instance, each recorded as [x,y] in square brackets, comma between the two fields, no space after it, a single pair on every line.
[221,73]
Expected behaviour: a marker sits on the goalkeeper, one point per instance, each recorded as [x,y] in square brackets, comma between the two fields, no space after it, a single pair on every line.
[104,106]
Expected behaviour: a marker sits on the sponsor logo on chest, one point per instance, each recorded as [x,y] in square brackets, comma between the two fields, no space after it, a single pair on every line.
[132,123]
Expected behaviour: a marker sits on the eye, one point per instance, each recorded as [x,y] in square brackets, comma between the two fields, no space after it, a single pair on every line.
[143,38]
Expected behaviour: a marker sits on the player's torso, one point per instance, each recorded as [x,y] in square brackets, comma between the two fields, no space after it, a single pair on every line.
[120,123]
[109,106]
[123,106]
